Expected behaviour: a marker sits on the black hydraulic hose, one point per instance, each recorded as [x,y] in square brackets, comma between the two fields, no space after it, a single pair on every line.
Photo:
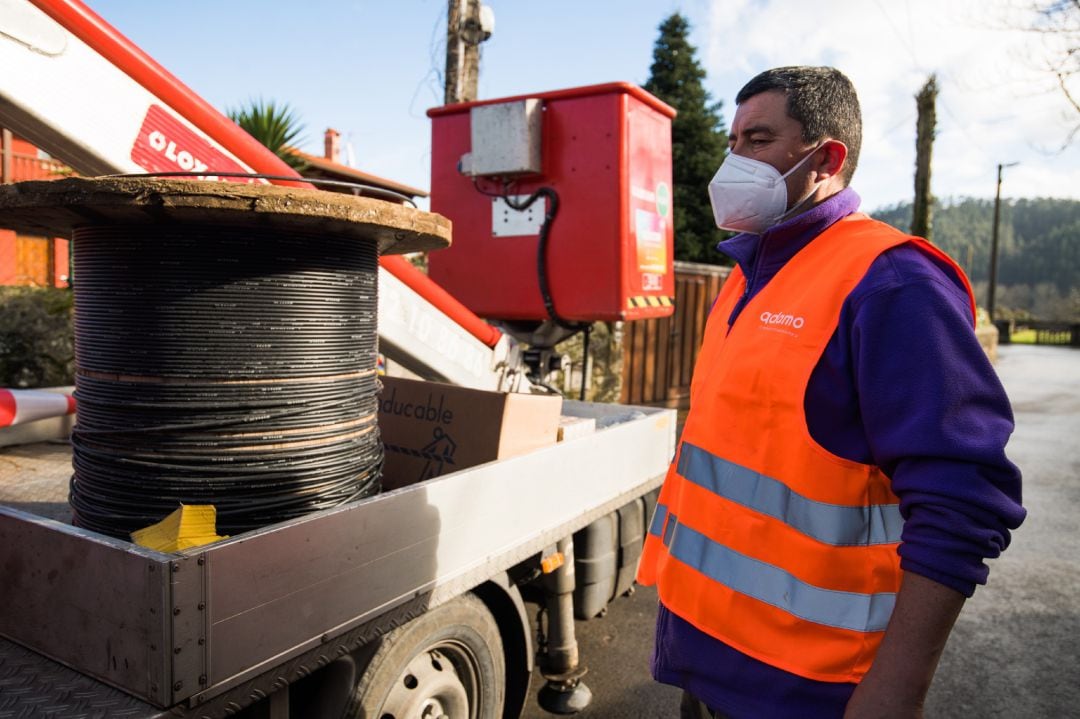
[541,250]
[222,365]
[542,271]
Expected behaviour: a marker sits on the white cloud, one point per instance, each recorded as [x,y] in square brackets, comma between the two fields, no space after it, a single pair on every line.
[996,101]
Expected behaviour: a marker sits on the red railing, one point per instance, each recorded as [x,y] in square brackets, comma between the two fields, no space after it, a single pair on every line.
[31,167]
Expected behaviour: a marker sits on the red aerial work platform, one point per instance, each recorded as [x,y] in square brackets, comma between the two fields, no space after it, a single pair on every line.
[605,150]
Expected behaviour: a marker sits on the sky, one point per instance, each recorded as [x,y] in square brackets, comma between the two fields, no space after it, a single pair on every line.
[371,68]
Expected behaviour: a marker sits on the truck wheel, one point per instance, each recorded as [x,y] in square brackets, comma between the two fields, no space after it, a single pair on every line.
[446,664]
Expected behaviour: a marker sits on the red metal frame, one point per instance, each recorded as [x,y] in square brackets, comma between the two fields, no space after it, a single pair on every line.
[609,255]
[551,95]
[107,41]
[399,267]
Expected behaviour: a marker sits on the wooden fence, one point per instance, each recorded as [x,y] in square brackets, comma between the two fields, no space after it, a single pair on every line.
[659,354]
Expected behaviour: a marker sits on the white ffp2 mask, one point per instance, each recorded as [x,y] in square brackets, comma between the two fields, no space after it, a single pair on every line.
[751,196]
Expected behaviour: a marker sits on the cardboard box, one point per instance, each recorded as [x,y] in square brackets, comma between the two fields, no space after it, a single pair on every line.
[575,427]
[430,429]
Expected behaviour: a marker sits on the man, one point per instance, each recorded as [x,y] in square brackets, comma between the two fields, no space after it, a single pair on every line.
[841,475]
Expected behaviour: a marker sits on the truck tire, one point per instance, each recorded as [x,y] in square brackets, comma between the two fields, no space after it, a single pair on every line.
[446,664]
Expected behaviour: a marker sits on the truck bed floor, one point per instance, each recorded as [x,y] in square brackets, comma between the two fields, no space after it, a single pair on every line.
[34,478]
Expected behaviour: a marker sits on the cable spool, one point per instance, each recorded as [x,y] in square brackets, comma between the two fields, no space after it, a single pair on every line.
[225,346]
[220,366]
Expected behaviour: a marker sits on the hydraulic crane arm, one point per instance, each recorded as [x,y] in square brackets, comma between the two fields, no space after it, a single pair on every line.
[77,88]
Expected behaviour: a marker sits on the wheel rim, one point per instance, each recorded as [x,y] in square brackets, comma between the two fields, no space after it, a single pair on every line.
[440,682]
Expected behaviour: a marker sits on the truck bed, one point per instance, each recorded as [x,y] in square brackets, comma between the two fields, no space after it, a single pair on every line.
[200,627]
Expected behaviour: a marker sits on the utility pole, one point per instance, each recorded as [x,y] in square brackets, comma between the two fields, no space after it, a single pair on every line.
[924,143]
[453,51]
[470,61]
[465,30]
[994,242]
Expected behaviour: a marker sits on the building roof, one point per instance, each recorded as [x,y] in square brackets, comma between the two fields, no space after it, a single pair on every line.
[321,168]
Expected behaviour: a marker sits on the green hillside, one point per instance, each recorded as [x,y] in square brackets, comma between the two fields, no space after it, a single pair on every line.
[1039,255]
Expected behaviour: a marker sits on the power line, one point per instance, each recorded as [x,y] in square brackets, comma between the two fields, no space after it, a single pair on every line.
[903,41]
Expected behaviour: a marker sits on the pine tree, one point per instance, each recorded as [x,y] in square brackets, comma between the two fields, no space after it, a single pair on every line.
[698,136]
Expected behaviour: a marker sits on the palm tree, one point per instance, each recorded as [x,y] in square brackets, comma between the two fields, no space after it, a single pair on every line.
[275,126]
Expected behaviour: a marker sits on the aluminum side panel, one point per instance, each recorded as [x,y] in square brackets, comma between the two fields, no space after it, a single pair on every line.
[87,601]
[281,591]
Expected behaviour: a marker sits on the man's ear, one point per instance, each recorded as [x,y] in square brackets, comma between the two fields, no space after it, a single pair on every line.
[831,158]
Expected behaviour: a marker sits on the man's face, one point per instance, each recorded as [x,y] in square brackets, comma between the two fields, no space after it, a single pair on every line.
[762,130]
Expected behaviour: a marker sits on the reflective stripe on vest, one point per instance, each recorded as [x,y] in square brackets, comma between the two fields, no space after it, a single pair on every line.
[834,524]
[761,537]
[843,610]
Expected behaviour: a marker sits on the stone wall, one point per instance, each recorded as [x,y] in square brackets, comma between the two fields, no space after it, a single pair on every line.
[988,338]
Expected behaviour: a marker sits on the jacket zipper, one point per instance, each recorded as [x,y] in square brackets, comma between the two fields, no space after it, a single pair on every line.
[751,280]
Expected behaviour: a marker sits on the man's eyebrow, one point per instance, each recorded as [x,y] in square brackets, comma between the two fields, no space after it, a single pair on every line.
[758,130]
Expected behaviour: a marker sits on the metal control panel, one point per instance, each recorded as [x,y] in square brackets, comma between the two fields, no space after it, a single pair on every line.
[506,139]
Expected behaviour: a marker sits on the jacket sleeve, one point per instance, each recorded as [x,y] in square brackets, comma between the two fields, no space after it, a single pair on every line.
[936,419]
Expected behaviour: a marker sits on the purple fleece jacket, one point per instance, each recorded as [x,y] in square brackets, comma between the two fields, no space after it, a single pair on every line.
[904,385]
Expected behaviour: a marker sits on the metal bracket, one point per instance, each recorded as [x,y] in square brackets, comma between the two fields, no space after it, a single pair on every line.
[508,222]
[189,626]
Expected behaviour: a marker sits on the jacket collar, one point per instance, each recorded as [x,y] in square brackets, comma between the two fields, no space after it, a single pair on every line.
[761,256]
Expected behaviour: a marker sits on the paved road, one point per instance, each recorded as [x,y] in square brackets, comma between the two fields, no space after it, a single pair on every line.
[1015,651]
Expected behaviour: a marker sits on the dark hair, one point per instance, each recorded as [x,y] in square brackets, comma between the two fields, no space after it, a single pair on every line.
[822,99]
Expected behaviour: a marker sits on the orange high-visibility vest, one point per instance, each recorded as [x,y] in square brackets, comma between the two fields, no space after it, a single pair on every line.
[762,538]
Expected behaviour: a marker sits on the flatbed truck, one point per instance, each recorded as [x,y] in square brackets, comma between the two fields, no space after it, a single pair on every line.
[405,604]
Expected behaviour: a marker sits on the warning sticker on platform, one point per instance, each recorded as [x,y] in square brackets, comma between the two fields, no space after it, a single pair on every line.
[165,144]
[651,248]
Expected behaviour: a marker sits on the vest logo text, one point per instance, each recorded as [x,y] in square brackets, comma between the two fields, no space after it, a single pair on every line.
[774,320]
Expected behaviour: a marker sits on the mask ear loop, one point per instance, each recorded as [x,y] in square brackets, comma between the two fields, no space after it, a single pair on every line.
[807,196]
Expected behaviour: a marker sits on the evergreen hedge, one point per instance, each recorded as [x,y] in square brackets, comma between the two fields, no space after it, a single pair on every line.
[37,344]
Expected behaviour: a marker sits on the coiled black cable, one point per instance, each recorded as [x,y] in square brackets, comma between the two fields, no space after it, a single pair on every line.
[222,365]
